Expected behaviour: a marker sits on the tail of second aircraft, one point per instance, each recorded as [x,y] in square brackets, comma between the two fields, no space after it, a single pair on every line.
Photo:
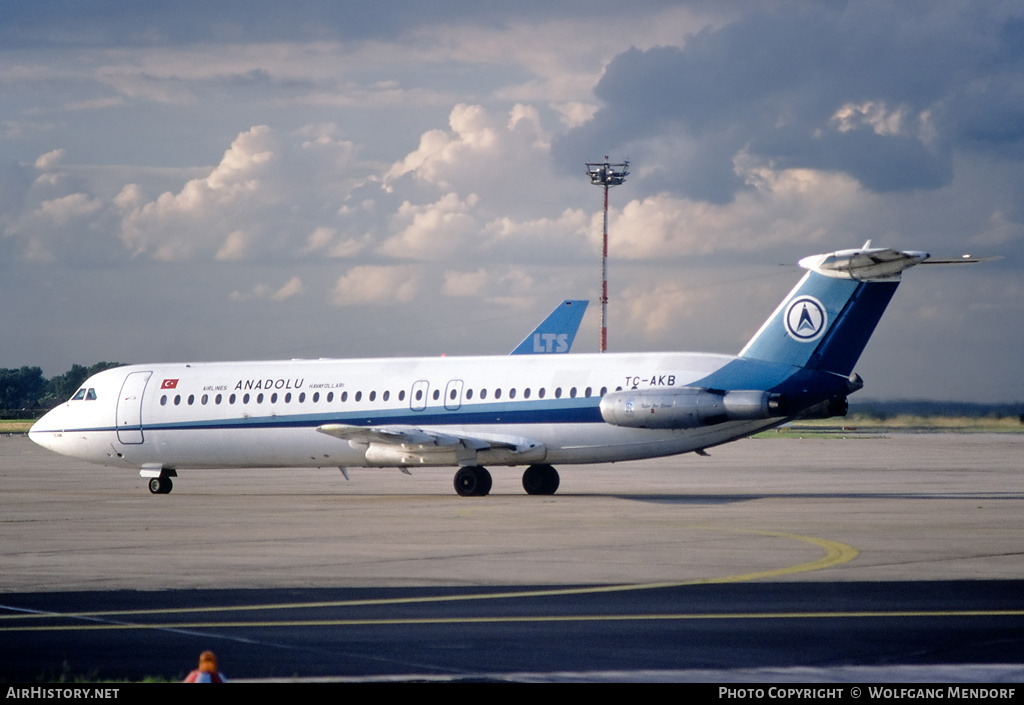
[556,332]
[826,321]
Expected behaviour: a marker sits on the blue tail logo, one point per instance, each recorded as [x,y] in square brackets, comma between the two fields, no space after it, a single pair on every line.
[806,319]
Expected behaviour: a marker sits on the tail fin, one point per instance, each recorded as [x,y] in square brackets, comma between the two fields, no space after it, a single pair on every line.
[826,321]
[556,332]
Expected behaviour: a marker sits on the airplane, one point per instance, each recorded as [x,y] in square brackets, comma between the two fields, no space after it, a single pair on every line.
[470,412]
[555,334]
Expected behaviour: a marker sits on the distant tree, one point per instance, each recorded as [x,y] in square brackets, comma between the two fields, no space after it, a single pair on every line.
[62,387]
[21,388]
[26,390]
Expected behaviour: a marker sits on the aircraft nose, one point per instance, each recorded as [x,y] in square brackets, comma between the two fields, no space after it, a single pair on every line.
[42,430]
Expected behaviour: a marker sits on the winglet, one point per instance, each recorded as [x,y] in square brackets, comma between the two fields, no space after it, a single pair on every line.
[556,333]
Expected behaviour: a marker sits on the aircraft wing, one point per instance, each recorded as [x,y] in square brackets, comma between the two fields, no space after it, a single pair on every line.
[405,437]
[408,445]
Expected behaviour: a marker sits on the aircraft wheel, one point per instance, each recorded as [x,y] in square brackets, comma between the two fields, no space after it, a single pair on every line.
[472,481]
[540,479]
[160,485]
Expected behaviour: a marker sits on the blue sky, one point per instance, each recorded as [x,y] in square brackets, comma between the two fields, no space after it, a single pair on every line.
[244,180]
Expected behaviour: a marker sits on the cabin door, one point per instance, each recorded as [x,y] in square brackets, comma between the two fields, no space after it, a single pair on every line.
[129,408]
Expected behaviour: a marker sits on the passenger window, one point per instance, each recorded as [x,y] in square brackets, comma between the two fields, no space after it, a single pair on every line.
[512,393]
[217,399]
[526,393]
[259,398]
[558,392]
[387,395]
[163,400]
[469,394]
[177,399]
[373,396]
[316,397]
[497,394]
[245,399]
[540,392]
[330,396]
[588,392]
[302,397]
[205,398]
[401,395]
[273,398]
[359,396]
[483,393]
[191,399]
[437,394]
[572,392]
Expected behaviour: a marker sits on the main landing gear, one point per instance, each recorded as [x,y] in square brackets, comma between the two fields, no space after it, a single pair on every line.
[540,479]
[472,481]
[475,481]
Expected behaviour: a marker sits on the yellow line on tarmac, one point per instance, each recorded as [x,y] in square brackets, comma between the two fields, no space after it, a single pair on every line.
[835,554]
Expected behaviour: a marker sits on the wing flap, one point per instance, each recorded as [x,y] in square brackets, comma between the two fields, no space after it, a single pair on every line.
[408,445]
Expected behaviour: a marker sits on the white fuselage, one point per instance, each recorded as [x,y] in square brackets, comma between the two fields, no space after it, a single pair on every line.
[266,414]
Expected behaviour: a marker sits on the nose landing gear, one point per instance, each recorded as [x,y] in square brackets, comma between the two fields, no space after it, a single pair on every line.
[160,485]
[159,479]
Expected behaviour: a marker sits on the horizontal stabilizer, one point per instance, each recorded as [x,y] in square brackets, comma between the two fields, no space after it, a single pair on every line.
[962,259]
[864,264]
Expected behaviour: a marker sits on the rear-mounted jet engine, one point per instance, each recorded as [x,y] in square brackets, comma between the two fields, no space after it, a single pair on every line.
[689,407]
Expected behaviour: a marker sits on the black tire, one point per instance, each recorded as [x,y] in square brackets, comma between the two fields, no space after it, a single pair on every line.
[540,479]
[472,481]
[160,485]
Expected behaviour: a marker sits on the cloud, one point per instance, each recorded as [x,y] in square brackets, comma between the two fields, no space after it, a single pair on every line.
[264,198]
[50,159]
[375,285]
[261,292]
[788,206]
[433,230]
[492,284]
[877,92]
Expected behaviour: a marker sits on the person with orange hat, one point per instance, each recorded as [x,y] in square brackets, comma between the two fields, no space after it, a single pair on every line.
[207,671]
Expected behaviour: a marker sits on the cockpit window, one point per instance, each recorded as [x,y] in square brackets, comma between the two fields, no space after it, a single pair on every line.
[90,395]
[79,395]
[83,393]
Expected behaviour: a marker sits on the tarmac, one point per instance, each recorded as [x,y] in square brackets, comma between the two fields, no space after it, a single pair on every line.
[912,507]
[886,509]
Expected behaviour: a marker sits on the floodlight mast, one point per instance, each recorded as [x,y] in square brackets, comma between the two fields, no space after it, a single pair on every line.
[606,175]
